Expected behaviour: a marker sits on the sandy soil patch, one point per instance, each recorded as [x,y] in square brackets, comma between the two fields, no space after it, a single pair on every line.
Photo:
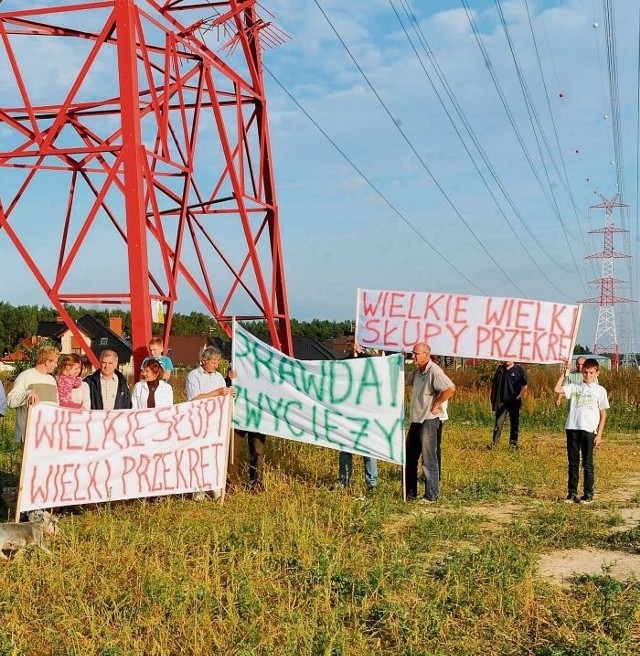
[625,492]
[561,566]
[630,519]
[498,517]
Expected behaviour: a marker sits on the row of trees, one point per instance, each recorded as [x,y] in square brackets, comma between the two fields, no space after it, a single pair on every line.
[18,322]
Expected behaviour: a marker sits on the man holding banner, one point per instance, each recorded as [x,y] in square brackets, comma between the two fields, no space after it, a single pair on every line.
[33,386]
[430,388]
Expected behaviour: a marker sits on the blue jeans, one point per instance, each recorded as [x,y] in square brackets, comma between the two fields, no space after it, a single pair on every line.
[422,440]
[346,469]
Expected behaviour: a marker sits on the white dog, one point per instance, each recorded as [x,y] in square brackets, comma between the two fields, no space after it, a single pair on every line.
[15,536]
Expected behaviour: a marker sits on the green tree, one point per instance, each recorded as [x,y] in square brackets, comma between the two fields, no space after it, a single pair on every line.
[30,353]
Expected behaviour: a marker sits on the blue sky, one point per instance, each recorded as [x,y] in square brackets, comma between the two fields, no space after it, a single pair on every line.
[409,210]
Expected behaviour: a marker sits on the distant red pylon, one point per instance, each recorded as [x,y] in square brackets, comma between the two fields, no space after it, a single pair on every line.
[141,168]
[606,337]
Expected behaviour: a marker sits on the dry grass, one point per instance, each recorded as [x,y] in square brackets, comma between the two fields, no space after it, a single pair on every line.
[305,569]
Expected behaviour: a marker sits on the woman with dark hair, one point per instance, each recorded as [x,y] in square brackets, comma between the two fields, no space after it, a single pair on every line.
[153,391]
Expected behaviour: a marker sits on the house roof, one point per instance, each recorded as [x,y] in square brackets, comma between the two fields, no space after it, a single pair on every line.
[96,330]
[50,329]
[19,354]
[308,348]
[184,350]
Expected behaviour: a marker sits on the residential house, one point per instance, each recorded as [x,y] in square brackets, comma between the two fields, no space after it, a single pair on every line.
[98,336]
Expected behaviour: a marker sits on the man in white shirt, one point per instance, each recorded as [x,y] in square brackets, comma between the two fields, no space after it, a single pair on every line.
[206,381]
[3,401]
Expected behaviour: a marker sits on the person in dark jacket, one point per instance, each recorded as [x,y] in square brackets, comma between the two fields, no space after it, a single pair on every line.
[107,386]
[508,387]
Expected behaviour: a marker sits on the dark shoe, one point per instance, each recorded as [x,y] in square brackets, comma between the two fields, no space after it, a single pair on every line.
[586,499]
[572,498]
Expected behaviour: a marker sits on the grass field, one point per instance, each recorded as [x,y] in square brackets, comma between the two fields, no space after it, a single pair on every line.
[308,569]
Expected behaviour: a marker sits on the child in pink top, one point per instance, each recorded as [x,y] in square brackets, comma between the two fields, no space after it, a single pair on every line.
[69,379]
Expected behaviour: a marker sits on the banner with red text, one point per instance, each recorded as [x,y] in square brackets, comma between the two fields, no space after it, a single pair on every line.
[484,327]
[74,457]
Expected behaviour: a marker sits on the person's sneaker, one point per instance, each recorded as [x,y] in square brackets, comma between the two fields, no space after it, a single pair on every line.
[586,499]
[572,498]
[425,502]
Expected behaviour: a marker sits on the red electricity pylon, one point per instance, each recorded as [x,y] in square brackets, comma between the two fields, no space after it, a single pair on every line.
[606,338]
[136,160]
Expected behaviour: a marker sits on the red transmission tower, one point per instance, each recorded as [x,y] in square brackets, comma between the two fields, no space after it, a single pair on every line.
[136,161]
[606,339]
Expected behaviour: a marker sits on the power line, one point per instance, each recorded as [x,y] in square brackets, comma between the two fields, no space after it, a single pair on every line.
[535,121]
[553,123]
[476,142]
[415,152]
[373,187]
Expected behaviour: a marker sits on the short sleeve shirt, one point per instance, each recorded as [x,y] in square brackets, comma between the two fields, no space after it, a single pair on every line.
[586,401]
[513,380]
[426,386]
[200,382]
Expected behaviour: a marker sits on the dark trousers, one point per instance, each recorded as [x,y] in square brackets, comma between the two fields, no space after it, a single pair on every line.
[422,440]
[439,449]
[512,408]
[580,444]
[256,443]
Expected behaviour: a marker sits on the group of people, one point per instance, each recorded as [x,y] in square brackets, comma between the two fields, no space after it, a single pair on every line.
[431,389]
[57,379]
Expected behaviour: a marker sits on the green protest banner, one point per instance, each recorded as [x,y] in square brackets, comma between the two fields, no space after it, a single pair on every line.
[351,405]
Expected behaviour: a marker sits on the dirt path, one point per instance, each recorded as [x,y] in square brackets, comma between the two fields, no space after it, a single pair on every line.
[561,565]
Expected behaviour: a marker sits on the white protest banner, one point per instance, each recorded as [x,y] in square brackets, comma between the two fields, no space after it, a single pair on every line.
[351,405]
[484,327]
[77,457]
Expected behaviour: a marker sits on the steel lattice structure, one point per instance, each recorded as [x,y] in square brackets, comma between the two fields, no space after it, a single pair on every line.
[142,165]
[606,337]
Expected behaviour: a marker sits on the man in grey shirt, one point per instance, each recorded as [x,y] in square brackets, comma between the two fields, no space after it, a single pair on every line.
[430,388]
